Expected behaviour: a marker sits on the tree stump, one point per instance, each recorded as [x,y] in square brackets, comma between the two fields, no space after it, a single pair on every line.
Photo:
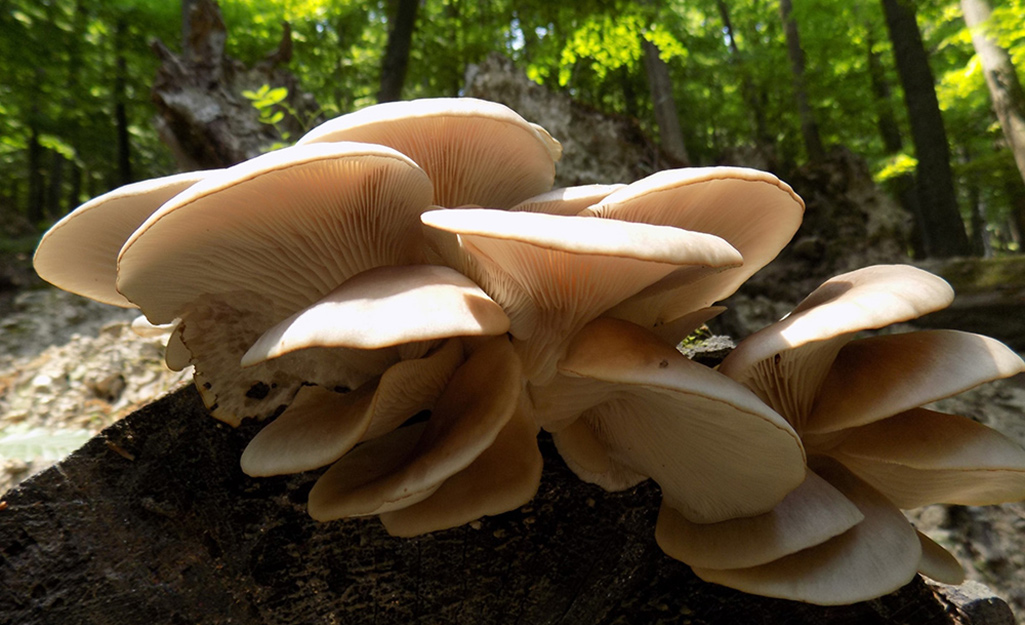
[153,522]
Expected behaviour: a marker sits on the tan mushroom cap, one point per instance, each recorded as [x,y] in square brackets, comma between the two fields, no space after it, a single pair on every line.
[476,152]
[408,465]
[79,253]
[752,210]
[880,376]
[714,448]
[384,307]
[586,453]
[875,557]
[552,274]
[504,477]
[567,200]
[786,362]
[922,457]
[289,225]
[938,564]
[811,514]
[320,425]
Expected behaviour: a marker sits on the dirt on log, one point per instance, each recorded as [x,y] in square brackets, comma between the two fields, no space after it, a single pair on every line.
[153,522]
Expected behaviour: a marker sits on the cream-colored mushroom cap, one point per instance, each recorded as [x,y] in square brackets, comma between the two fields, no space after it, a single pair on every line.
[476,152]
[385,307]
[716,450]
[753,210]
[288,226]
[786,362]
[875,557]
[79,253]
[567,200]
[553,273]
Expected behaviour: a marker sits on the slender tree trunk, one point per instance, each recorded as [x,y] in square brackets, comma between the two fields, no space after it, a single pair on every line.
[664,104]
[903,186]
[124,144]
[809,129]
[53,193]
[1004,87]
[943,230]
[36,179]
[762,137]
[396,54]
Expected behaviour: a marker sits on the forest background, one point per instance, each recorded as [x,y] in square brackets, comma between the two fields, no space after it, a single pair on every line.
[934,106]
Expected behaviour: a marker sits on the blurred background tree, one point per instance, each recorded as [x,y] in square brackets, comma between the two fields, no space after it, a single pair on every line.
[76,116]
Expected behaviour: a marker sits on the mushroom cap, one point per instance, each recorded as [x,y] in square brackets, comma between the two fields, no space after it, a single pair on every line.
[880,376]
[289,225]
[938,564]
[786,362]
[504,477]
[875,557]
[384,307]
[809,515]
[552,273]
[409,464]
[752,210]
[567,200]
[476,152]
[79,253]
[715,449]
[320,425]
[922,457]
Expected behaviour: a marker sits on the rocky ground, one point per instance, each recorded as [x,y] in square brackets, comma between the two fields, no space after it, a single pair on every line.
[68,368]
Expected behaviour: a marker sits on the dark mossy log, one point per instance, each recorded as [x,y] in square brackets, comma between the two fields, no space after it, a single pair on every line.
[153,522]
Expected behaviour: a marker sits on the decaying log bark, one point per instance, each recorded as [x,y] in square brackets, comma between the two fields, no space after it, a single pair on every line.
[153,522]
[204,117]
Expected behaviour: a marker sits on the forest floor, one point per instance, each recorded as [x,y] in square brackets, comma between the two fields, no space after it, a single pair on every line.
[70,367]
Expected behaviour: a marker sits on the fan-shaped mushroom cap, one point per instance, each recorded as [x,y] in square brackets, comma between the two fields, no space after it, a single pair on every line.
[880,376]
[567,200]
[786,362]
[384,307]
[79,253]
[504,477]
[552,274]
[714,448]
[938,564]
[875,557]
[408,465]
[752,210]
[811,514]
[922,457]
[476,152]
[320,425]
[289,225]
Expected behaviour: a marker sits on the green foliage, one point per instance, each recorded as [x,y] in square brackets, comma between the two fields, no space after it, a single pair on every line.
[59,61]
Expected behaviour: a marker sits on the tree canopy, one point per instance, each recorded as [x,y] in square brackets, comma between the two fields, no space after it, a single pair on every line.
[76,116]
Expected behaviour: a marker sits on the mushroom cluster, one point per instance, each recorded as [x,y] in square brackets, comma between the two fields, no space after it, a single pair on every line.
[405,300]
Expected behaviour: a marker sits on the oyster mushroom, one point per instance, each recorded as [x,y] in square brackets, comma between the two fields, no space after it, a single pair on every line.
[855,404]
[454,140]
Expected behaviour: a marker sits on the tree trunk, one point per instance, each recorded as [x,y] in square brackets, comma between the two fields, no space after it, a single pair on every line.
[1004,88]
[153,522]
[943,230]
[809,128]
[202,114]
[762,137]
[124,143]
[902,186]
[53,193]
[396,54]
[664,104]
[36,179]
